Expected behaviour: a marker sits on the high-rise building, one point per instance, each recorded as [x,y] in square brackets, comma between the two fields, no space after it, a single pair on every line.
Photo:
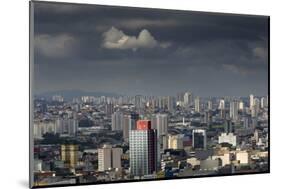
[241,105]
[129,123]
[180,97]
[255,108]
[197,104]
[175,142]
[139,103]
[264,103]
[208,117]
[233,110]
[134,118]
[143,149]
[162,102]
[170,103]
[153,103]
[59,125]
[254,122]
[246,122]
[228,126]
[160,122]
[117,119]
[251,100]
[222,113]
[126,127]
[199,139]
[72,126]
[256,136]
[69,154]
[109,109]
[210,105]
[109,158]
[42,106]
[65,125]
[257,103]
[254,112]
[221,104]
[42,127]
[187,98]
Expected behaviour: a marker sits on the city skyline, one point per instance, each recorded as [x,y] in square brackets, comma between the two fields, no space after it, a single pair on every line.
[149,53]
[129,94]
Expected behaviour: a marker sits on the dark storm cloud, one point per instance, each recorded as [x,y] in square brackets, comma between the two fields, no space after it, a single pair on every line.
[211,54]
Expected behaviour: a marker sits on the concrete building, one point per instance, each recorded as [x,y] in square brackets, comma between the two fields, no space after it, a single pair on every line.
[109,158]
[264,102]
[246,122]
[199,139]
[170,103]
[221,104]
[139,105]
[175,142]
[255,108]
[117,119]
[208,118]
[229,138]
[233,110]
[161,124]
[109,109]
[197,104]
[210,105]
[251,97]
[188,98]
[67,126]
[126,127]
[228,126]
[143,149]
[241,105]
[69,154]
[242,157]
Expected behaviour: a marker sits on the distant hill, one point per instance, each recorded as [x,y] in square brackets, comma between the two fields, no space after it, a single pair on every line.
[70,94]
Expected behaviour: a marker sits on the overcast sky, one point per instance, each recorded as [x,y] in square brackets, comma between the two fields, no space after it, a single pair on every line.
[148,51]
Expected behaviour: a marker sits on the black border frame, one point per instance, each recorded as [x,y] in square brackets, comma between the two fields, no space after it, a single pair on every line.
[31,63]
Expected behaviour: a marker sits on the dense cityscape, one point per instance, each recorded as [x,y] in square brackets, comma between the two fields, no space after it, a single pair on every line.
[122,94]
[95,139]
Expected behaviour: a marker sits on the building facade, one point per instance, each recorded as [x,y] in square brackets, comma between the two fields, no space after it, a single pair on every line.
[109,158]
[199,139]
[69,154]
[143,149]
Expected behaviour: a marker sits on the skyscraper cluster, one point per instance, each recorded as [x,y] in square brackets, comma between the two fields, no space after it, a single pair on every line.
[144,137]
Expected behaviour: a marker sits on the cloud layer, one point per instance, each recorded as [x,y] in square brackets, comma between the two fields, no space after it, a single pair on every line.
[117,39]
[54,46]
[209,54]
